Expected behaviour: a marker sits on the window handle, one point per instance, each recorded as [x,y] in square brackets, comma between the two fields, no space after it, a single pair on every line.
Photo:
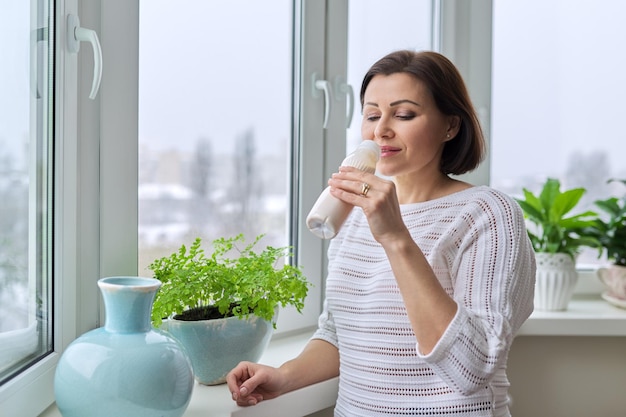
[345,88]
[76,35]
[324,86]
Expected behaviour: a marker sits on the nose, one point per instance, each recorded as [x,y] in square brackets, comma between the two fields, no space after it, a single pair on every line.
[383,129]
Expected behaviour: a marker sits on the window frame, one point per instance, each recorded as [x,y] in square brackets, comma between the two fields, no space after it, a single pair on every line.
[30,392]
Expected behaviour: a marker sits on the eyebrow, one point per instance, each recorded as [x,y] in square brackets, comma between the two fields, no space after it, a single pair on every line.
[395,103]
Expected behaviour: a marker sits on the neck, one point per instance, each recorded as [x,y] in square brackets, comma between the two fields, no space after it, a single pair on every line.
[412,190]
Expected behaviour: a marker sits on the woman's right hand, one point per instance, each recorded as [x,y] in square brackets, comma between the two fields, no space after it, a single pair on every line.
[251,383]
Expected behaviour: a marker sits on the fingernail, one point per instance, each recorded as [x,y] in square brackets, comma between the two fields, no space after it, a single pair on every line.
[243,391]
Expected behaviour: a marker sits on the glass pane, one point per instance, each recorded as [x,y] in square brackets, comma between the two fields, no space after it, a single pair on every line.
[557,93]
[215,122]
[25,181]
[375,28]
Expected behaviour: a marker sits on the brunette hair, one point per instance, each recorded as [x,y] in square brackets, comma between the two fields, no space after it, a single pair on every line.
[464,152]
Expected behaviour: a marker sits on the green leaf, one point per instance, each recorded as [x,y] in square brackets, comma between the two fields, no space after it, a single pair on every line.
[554,232]
[237,281]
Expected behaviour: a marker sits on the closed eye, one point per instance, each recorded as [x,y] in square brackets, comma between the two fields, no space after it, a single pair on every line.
[406,116]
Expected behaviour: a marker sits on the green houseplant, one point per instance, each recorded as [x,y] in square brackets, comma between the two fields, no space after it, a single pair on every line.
[557,238]
[553,231]
[223,308]
[610,231]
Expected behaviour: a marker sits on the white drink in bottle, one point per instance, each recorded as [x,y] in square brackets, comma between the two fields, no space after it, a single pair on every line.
[329,213]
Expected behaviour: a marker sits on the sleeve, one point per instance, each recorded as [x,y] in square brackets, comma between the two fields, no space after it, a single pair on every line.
[326,328]
[494,273]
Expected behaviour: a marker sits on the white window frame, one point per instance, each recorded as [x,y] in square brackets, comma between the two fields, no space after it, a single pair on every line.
[30,392]
[463,34]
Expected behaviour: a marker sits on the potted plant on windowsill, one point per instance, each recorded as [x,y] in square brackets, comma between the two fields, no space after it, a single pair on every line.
[223,309]
[557,239]
[610,230]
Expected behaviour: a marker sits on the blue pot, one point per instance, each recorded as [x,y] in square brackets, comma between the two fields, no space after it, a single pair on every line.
[126,368]
[217,346]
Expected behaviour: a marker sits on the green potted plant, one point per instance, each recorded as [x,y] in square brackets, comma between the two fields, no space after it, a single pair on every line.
[610,230]
[557,238]
[223,308]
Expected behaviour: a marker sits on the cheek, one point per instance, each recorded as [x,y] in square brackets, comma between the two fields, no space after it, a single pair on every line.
[367,130]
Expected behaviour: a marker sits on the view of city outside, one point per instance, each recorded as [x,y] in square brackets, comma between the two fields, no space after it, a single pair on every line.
[214,123]
[25,172]
[15,150]
[557,92]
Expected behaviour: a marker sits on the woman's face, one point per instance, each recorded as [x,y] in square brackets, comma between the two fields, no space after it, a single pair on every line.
[399,114]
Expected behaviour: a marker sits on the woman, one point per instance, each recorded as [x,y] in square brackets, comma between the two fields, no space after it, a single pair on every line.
[430,277]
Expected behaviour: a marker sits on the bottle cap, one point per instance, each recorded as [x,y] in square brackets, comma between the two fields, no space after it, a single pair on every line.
[364,157]
[370,145]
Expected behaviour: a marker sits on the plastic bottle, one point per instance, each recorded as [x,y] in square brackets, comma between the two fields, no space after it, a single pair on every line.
[329,213]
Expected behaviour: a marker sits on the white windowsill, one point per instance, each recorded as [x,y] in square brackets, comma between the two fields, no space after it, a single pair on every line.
[587,315]
[216,401]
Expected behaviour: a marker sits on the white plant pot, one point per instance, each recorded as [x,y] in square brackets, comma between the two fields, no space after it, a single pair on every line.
[556,279]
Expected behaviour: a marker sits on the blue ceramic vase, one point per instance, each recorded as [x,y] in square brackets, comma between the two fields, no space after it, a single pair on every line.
[126,368]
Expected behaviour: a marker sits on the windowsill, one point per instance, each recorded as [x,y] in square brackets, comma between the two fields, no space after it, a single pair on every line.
[587,315]
[217,400]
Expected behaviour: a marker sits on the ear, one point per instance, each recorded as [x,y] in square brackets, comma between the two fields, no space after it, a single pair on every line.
[454,125]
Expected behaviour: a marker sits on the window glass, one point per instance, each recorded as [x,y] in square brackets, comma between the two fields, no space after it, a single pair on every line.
[215,122]
[25,185]
[375,28]
[557,93]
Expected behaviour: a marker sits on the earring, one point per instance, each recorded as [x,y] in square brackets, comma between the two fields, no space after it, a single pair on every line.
[448,136]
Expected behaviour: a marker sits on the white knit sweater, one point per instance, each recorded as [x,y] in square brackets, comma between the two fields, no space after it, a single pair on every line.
[476,242]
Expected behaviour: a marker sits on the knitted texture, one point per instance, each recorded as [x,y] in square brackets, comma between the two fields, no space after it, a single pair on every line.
[476,242]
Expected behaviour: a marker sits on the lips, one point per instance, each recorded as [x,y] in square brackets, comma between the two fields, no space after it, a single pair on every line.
[386,151]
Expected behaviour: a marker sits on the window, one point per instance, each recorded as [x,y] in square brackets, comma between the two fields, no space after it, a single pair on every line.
[217,134]
[26,178]
[50,219]
[557,92]
[215,125]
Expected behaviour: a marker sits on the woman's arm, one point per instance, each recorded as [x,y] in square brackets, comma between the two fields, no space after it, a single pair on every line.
[429,308]
[250,383]
[318,361]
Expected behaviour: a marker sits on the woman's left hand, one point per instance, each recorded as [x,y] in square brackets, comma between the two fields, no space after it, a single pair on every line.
[376,196]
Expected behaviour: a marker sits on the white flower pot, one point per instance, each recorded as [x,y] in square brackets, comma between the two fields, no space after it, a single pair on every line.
[556,279]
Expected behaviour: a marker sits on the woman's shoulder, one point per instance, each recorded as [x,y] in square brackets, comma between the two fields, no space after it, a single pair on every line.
[482,196]
[469,197]
[479,203]
[488,193]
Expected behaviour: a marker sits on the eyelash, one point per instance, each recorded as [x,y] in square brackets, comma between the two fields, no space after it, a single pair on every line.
[409,116]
